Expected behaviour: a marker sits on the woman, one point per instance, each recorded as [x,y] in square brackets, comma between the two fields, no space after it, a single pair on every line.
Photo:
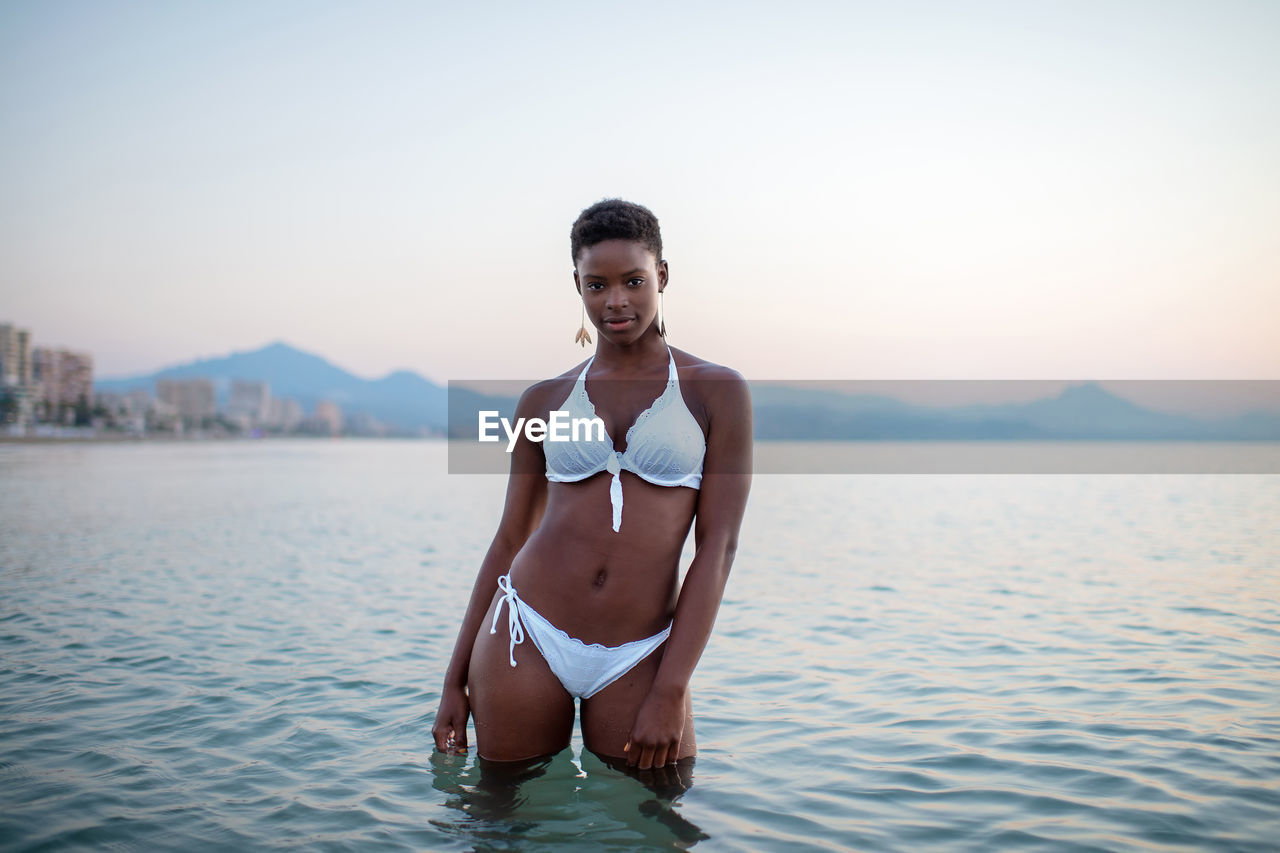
[597,590]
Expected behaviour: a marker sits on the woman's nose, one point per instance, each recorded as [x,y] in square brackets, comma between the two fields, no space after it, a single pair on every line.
[616,297]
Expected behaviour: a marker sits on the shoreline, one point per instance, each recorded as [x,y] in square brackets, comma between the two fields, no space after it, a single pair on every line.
[173,439]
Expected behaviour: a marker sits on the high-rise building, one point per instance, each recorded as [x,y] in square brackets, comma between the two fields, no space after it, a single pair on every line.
[363,423]
[330,415]
[284,413]
[15,356]
[64,377]
[125,410]
[193,399]
[251,400]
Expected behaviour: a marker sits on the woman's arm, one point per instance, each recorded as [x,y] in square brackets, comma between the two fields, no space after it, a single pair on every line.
[726,480]
[521,514]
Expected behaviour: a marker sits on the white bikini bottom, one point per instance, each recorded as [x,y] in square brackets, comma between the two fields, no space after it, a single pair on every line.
[584,669]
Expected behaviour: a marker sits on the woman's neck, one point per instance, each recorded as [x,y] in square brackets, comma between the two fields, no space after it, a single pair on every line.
[643,355]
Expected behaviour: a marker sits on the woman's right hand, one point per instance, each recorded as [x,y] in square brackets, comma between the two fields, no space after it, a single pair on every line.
[450,727]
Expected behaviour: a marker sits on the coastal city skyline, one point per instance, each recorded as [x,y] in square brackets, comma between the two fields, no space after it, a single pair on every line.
[46,392]
[50,392]
[847,191]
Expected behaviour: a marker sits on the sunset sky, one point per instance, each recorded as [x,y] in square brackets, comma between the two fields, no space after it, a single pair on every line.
[1012,190]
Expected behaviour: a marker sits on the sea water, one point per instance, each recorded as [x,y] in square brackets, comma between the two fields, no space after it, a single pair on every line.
[240,645]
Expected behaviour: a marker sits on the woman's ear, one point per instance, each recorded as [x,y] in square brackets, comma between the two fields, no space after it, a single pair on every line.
[577,284]
[663,274]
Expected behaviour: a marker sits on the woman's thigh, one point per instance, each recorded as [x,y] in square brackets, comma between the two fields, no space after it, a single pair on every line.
[607,717]
[520,712]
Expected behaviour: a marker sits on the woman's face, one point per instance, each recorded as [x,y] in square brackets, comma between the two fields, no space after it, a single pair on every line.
[619,281]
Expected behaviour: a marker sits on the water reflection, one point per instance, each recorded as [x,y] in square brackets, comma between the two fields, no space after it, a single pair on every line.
[563,799]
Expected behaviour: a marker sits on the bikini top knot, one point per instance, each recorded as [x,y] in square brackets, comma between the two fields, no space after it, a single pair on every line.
[665,445]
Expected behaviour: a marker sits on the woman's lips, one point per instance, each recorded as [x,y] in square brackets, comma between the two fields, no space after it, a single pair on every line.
[618,323]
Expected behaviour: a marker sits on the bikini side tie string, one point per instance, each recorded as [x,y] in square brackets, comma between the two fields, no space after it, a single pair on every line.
[514,629]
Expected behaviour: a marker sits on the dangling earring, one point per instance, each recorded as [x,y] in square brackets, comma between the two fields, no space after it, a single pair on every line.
[662,317]
[583,337]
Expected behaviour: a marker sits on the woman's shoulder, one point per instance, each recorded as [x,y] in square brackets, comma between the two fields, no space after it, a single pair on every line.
[720,390]
[693,367]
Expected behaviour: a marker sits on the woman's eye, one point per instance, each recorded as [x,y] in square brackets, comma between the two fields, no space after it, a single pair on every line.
[594,285]
[636,282]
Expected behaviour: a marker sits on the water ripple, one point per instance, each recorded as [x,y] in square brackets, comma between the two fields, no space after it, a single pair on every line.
[900,663]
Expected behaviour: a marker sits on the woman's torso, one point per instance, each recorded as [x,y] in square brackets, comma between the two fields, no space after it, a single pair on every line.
[595,583]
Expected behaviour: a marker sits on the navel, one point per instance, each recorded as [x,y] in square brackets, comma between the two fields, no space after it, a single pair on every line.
[600,578]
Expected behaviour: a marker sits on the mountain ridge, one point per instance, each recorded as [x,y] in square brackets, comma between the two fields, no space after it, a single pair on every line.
[406,400]
[402,398]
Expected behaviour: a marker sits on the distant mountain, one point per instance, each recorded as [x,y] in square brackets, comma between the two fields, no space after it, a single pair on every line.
[1090,411]
[1085,411]
[781,412]
[788,412]
[403,398]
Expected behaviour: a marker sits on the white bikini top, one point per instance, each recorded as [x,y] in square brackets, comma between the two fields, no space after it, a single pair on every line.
[665,445]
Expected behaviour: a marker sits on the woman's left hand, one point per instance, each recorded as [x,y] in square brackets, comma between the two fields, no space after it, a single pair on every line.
[655,736]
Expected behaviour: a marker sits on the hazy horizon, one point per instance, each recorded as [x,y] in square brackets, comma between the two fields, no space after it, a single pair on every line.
[1198,398]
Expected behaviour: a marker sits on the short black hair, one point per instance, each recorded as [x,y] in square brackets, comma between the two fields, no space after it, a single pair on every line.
[615,219]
